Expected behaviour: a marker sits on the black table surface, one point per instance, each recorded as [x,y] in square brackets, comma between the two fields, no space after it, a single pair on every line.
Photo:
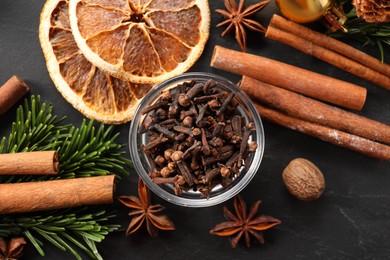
[350,221]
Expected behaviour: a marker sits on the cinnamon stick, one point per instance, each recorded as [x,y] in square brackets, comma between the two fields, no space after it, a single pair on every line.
[330,43]
[315,111]
[337,137]
[290,77]
[338,60]
[11,92]
[39,162]
[49,195]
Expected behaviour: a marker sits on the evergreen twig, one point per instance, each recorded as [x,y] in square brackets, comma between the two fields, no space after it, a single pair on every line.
[64,230]
[367,33]
[84,151]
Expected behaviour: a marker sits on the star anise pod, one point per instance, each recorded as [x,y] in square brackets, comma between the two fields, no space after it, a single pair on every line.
[13,250]
[144,211]
[243,224]
[237,17]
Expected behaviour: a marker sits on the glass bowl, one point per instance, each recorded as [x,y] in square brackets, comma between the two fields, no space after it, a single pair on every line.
[191,198]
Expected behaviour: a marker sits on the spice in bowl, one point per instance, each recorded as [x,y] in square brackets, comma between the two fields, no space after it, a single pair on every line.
[198,139]
[198,136]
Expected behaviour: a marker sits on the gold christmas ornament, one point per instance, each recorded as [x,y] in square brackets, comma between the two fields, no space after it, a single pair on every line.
[305,11]
[372,11]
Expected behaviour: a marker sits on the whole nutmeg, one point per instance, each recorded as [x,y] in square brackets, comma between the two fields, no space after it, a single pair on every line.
[303,179]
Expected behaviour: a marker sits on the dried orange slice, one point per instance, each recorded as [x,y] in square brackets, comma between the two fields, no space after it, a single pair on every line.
[144,41]
[93,92]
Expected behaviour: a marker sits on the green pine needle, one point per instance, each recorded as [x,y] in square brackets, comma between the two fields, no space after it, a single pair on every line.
[368,33]
[83,152]
[67,231]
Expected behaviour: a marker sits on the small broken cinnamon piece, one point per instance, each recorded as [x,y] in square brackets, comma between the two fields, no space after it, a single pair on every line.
[11,92]
[37,162]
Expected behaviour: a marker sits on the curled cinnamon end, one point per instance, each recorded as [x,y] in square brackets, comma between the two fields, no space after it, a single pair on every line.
[56,163]
[11,92]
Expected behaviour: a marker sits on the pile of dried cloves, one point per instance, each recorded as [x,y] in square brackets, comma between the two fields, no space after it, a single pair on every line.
[198,137]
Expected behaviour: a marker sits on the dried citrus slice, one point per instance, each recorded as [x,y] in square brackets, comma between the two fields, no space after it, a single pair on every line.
[93,92]
[144,41]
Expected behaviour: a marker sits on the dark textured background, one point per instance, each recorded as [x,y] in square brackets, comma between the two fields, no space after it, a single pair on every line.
[350,221]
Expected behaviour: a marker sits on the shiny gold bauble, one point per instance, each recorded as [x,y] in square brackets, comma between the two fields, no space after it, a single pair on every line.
[306,11]
[303,11]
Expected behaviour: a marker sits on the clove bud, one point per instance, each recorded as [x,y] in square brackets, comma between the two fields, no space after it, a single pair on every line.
[199,137]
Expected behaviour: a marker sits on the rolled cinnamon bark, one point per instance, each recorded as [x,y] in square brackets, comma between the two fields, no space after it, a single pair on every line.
[11,92]
[338,60]
[315,111]
[57,194]
[339,138]
[330,43]
[290,77]
[39,162]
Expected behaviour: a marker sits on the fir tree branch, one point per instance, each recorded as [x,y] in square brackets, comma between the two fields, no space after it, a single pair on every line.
[66,231]
[367,33]
[83,152]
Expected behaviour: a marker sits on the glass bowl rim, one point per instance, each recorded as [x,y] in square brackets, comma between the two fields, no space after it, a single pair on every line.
[201,202]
